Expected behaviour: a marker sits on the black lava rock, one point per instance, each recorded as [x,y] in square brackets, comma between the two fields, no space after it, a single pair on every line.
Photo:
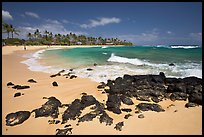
[105,118]
[141,116]
[89,69]
[73,76]
[190,104]
[113,104]
[126,109]
[17,94]
[119,125]
[171,64]
[127,116]
[32,81]
[50,108]
[16,118]
[195,98]
[87,117]
[148,106]
[10,84]
[20,87]
[54,84]
[66,131]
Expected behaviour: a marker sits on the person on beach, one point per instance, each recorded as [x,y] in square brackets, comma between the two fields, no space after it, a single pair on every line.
[24,47]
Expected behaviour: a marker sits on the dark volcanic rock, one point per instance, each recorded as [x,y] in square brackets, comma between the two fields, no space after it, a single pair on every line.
[10,84]
[180,87]
[119,125]
[141,116]
[192,81]
[126,100]
[127,116]
[148,106]
[143,98]
[89,69]
[105,118]
[171,64]
[87,100]
[102,85]
[190,104]
[73,76]
[67,126]
[126,109]
[195,98]
[66,131]
[74,110]
[50,108]
[54,84]
[20,87]
[113,104]
[32,81]
[16,118]
[58,74]
[87,117]
[178,96]
[17,94]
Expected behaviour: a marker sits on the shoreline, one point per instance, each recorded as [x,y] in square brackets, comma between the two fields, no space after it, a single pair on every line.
[68,90]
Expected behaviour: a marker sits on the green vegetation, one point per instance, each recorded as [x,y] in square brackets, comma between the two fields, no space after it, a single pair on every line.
[48,38]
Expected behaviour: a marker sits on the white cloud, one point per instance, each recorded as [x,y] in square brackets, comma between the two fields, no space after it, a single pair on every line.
[196,36]
[53,21]
[142,38]
[52,26]
[169,32]
[100,22]
[65,21]
[31,14]
[6,15]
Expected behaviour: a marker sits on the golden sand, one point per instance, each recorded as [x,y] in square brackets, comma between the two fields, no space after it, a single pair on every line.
[184,121]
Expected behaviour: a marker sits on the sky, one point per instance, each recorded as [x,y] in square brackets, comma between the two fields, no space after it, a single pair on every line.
[142,23]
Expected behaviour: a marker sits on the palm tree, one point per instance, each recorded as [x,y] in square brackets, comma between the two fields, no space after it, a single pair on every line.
[29,35]
[13,30]
[37,33]
[6,28]
[46,33]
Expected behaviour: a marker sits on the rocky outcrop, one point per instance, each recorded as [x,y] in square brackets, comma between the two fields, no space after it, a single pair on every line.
[10,84]
[32,81]
[106,119]
[113,103]
[20,87]
[148,106]
[54,84]
[50,108]
[16,118]
[17,94]
[66,131]
[119,126]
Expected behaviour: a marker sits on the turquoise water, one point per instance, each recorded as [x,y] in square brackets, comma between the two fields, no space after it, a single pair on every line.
[88,56]
[117,61]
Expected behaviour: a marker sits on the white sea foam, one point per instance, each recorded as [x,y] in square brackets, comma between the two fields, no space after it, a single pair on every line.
[103,47]
[133,61]
[104,53]
[119,67]
[185,47]
[34,65]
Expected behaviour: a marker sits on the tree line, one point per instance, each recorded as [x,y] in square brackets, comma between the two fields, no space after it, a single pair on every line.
[48,38]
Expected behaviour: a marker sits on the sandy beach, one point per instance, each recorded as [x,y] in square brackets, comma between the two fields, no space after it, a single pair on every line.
[183,122]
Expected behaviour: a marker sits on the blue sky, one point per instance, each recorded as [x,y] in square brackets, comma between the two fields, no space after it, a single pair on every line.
[143,23]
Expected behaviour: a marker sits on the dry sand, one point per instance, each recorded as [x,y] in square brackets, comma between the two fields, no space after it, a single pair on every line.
[184,121]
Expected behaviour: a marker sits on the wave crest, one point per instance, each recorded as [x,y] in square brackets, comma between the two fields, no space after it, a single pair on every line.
[133,61]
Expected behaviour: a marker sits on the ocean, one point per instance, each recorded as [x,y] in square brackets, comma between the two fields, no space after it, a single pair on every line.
[113,62]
